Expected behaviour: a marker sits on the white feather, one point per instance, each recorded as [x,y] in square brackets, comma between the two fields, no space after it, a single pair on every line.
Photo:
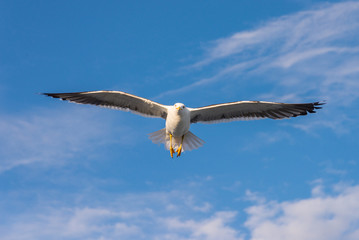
[190,141]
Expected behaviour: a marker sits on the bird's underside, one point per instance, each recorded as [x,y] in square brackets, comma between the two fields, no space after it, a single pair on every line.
[176,136]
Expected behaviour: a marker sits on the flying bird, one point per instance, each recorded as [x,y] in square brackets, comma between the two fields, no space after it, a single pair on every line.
[176,135]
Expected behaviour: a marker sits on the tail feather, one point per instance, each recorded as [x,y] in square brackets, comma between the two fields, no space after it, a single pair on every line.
[158,136]
[190,141]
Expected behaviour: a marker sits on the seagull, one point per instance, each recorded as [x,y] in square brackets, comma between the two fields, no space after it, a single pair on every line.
[176,135]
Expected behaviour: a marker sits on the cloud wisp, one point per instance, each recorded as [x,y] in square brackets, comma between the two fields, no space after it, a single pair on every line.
[309,53]
[175,215]
[317,31]
[49,137]
[320,217]
[170,215]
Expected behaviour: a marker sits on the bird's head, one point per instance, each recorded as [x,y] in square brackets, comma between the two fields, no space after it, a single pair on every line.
[179,106]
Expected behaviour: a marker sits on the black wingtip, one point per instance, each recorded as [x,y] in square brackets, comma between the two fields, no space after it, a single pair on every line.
[54,95]
[317,104]
[321,102]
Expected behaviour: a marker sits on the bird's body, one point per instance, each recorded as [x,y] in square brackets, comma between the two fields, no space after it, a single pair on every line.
[177,126]
[176,135]
[178,120]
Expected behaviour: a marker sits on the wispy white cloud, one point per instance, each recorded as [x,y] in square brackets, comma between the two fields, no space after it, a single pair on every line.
[92,223]
[296,57]
[73,223]
[254,197]
[322,216]
[315,30]
[126,216]
[212,228]
[305,55]
[50,137]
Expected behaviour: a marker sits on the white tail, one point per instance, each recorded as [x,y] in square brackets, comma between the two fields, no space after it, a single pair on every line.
[190,141]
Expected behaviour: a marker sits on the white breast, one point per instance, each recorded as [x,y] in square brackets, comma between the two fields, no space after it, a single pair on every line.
[178,121]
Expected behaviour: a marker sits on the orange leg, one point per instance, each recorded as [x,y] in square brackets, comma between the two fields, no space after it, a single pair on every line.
[179,150]
[171,148]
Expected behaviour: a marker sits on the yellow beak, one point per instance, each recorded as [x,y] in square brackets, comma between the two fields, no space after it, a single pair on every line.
[178,108]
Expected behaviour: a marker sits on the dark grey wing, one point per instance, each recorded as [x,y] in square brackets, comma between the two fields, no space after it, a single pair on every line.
[246,110]
[117,100]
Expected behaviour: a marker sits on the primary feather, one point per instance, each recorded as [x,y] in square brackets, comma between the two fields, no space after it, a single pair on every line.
[245,110]
[117,100]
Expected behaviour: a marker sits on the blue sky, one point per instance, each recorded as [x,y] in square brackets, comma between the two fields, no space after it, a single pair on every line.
[71,171]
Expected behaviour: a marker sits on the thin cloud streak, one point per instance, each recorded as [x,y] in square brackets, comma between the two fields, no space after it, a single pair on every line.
[292,58]
[316,51]
[225,72]
[303,30]
[49,137]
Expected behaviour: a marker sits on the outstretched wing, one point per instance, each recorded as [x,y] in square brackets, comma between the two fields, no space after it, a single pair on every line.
[246,110]
[117,100]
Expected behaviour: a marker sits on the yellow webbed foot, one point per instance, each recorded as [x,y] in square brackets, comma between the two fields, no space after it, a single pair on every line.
[172,151]
[179,151]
